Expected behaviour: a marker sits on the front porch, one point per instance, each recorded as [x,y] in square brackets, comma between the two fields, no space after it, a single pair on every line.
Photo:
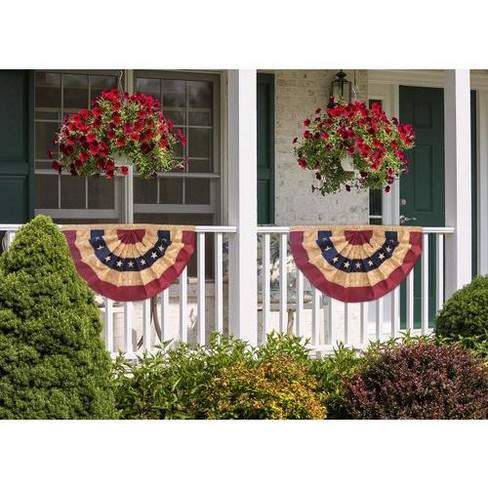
[194,306]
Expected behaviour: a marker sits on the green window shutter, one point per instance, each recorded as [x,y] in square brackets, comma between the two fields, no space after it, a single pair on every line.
[16,146]
[266,144]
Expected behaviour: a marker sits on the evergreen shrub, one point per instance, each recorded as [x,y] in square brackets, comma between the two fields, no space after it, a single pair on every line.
[53,362]
[464,316]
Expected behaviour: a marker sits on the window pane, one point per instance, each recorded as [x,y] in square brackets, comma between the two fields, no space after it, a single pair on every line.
[173,93]
[47,191]
[48,115]
[199,166]
[200,143]
[75,91]
[99,83]
[171,190]
[48,90]
[145,191]
[45,133]
[200,118]
[197,191]
[149,86]
[100,193]
[72,192]
[178,117]
[199,94]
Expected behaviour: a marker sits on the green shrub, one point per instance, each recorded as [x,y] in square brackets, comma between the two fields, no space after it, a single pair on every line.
[277,387]
[174,382]
[53,363]
[464,316]
[171,383]
[418,380]
[332,371]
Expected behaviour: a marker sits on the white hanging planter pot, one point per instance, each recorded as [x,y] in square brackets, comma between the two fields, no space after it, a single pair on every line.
[346,163]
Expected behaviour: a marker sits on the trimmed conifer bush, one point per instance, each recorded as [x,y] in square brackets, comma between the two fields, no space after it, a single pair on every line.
[53,362]
[419,380]
[464,316]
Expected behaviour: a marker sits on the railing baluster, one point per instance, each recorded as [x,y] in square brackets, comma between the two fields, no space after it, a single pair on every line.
[315,316]
[183,305]
[219,283]
[395,312]
[299,303]
[283,284]
[201,288]
[165,335]
[363,333]
[410,301]
[379,318]
[109,325]
[425,283]
[128,317]
[266,284]
[440,271]
[331,322]
[146,324]
[346,322]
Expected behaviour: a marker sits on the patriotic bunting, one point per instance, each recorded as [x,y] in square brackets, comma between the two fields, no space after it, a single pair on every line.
[355,263]
[130,262]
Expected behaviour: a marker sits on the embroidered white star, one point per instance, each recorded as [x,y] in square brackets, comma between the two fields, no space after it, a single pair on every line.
[388,249]
[335,259]
[131,264]
[107,259]
[346,264]
[143,261]
[154,255]
[119,264]
[160,248]
[381,255]
[370,262]
[100,247]
[358,265]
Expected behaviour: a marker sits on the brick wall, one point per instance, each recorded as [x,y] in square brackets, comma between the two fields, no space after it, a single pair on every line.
[297,94]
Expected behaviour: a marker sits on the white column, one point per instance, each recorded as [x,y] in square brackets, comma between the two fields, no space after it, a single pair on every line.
[242,206]
[457,117]
[482,110]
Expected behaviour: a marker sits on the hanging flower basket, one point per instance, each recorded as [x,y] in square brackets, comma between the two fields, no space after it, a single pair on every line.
[118,126]
[374,145]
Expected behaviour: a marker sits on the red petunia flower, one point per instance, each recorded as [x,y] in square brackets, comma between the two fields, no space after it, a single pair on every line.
[302,163]
[124,170]
[121,141]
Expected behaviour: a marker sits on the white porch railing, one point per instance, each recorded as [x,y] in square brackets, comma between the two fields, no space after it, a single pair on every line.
[192,307]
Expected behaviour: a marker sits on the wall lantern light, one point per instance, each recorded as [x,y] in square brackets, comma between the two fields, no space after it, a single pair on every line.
[341,88]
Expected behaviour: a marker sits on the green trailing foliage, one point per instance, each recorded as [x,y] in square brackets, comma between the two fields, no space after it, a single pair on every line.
[418,379]
[53,362]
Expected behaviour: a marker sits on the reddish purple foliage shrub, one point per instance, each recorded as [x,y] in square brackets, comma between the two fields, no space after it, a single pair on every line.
[421,380]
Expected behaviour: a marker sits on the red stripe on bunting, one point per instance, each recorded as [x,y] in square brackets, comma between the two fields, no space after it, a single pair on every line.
[354,294]
[132,293]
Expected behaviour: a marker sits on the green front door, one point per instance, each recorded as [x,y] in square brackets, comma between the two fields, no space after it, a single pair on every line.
[422,188]
[16,146]
[265,143]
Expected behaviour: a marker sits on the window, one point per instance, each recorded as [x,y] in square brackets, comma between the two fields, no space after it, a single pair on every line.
[65,198]
[190,100]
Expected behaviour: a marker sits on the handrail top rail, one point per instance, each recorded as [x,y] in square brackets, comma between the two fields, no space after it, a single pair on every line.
[198,228]
[285,230]
[264,229]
